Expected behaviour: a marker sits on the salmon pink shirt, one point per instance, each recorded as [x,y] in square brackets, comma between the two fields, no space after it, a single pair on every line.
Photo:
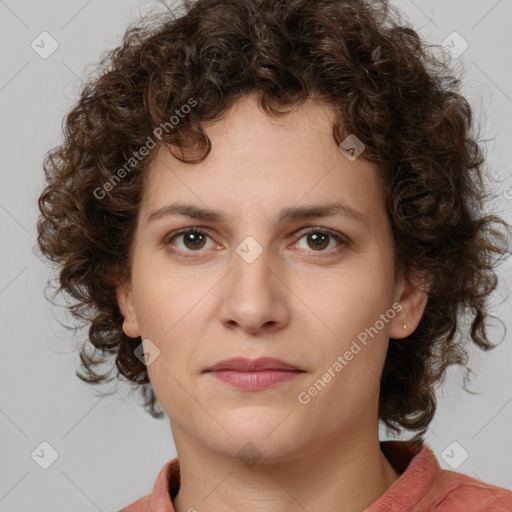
[422,486]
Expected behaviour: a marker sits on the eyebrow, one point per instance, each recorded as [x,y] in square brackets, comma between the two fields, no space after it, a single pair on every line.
[289,214]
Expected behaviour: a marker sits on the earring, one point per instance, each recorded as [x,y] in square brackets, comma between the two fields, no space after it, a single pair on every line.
[405,327]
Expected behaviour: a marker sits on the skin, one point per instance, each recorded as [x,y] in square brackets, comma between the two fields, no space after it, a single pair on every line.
[295,302]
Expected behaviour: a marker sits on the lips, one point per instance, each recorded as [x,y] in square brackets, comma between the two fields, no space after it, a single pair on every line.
[241,364]
[253,374]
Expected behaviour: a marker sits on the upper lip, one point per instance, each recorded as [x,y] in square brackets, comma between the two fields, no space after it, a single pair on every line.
[250,365]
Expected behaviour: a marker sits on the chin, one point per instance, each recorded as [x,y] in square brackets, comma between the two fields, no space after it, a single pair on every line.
[250,450]
[272,442]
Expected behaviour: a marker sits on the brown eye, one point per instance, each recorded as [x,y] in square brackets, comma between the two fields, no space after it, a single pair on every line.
[192,240]
[319,240]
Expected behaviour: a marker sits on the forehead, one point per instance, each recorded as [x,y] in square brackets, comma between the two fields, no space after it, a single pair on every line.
[261,163]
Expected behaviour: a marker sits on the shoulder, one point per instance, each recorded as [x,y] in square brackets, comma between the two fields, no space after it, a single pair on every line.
[166,485]
[425,487]
[457,491]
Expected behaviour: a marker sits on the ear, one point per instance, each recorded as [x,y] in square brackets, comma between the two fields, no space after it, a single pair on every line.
[412,295]
[125,302]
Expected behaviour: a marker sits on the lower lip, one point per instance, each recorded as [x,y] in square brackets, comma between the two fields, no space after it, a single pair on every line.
[261,379]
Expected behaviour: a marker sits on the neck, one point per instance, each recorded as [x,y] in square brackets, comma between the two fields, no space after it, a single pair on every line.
[345,474]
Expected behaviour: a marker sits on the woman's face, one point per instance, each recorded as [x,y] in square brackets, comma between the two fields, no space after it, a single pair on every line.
[265,281]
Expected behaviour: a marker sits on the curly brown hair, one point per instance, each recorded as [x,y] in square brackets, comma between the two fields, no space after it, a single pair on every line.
[387,87]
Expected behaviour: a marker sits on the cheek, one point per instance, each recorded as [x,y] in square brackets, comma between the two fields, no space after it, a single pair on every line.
[351,299]
[168,314]
[175,398]
[351,305]
[160,300]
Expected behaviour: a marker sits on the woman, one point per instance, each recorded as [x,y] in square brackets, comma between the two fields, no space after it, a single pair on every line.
[271,215]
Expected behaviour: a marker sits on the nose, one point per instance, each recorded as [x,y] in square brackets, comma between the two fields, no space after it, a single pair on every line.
[255,296]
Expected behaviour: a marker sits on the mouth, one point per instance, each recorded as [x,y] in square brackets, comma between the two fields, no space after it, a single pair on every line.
[241,364]
[253,374]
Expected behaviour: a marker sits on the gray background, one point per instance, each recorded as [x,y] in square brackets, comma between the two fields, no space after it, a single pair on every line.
[109,450]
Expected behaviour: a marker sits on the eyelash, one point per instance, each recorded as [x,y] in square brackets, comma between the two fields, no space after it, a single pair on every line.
[169,239]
